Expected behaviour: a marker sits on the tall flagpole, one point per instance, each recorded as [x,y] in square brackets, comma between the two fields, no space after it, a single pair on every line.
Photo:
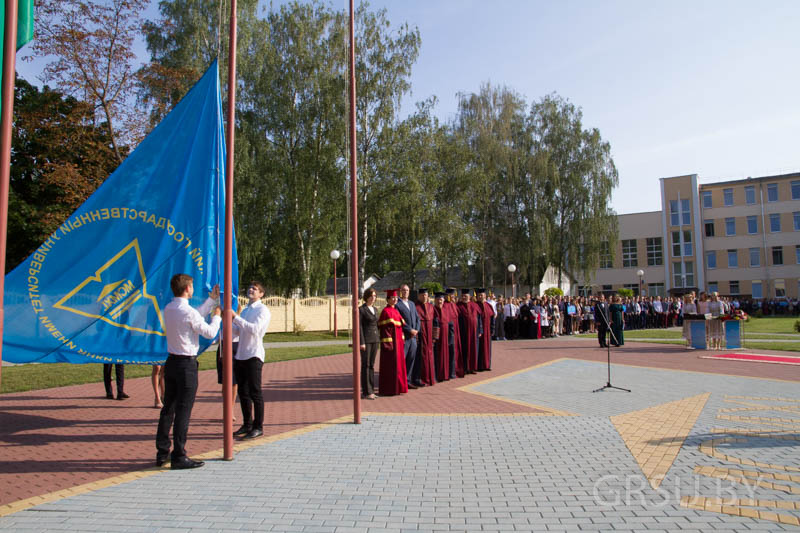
[354,225]
[6,118]
[227,315]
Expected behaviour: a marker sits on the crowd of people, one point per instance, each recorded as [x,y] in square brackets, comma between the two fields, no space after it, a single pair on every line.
[423,343]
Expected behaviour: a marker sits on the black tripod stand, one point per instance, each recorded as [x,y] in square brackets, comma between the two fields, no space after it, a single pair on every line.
[608,384]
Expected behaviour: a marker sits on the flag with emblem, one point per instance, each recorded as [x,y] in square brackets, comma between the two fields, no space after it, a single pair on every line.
[94,291]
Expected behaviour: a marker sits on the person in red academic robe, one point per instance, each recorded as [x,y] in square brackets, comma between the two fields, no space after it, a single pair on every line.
[454,335]
[440,345]
[484,332]
[427,373]
[392,377]
[468,327]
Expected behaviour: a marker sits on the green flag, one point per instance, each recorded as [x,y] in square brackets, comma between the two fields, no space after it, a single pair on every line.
[24,22]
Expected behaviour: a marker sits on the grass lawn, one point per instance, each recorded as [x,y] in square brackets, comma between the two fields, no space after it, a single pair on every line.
[307,336]
[770,325]
[34,376]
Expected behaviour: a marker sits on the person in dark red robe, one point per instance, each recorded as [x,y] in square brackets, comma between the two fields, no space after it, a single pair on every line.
[454,335]
[392,373]
[468,327]
[425,338]
[484,332]
[440,345]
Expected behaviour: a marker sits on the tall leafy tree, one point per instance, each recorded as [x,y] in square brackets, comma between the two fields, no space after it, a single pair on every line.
[58,159]
[93,59]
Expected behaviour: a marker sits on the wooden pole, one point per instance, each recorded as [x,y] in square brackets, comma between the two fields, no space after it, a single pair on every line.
[6,119]
[227,316]
[354,225]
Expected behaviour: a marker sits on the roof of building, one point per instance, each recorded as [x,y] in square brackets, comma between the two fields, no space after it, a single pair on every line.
[455,278]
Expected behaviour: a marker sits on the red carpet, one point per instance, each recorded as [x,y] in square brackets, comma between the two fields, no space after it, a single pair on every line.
[756,358]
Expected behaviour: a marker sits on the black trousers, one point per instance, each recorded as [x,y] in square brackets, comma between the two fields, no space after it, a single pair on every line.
[451,337]
[120,379]
[180,388]
[601,334]
[368,357]
[248,376]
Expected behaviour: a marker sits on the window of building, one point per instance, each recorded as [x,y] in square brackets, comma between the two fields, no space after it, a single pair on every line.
[777,255]
[775,222]
[796,190]
[752,224]
[677,273]
[730,226]
[688,273]
[686,217]
[750,194]
[676,244]
[796,218]
[679,213]
[797,254]
[733,287]
[629,258]
[758,292]
[687,242]
[772,192]
[713,286]
[780,288]
[709,225]
[727,197]
[655,254]
[607,288]
[711,259]
[755,257]
[733,259]
[656,289]
[605,255]
[706,199]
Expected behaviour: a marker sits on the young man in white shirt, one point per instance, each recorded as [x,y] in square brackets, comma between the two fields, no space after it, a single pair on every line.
[183,326]
[251,326]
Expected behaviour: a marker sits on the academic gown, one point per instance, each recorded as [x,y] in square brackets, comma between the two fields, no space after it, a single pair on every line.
[468,326]
[425,343]
[455,352]
[392,379]
[441,355]
[485,339]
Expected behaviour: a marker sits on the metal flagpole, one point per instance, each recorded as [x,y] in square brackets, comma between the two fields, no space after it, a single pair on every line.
[9,60]
[227,315]
[354,225]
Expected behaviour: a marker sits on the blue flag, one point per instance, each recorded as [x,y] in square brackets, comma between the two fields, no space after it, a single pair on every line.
[95,290]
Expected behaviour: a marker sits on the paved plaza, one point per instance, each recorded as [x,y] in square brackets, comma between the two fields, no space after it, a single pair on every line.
[697,445]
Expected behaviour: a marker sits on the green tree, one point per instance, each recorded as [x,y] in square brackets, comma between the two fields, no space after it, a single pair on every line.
[58,159]
[578,167]
[91,44]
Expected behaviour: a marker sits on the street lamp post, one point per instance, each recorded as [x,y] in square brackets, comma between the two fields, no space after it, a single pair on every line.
[512,268]
[640,273]
[335,256]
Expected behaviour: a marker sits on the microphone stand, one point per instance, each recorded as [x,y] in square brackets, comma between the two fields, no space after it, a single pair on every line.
[608,384]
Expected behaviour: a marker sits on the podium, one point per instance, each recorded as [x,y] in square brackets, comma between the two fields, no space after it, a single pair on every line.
[697,331]
[733,334]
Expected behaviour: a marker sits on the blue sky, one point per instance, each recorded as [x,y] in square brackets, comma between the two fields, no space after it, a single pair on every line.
[678,87]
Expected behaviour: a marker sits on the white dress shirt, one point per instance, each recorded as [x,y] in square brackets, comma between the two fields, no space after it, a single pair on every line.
[184,324]
[510,310]
[251,326]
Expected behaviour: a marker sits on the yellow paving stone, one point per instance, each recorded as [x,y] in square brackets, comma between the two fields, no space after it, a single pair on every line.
[749,513]
[788,519]
[667,424]
[766,515]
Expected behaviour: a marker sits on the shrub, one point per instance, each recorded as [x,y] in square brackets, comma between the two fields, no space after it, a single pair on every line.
[797,326]
[625,293]
[552,292]
[432,286]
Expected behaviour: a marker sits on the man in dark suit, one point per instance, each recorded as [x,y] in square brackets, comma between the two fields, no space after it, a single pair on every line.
[408,311]
[601,319]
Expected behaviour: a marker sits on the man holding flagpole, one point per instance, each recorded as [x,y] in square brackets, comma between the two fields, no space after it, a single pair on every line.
[183,325]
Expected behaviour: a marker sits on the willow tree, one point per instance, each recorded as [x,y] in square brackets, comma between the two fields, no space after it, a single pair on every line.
[578,166]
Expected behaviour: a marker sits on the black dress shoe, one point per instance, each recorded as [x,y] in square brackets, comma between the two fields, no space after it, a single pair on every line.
[244,430]
[185,463]
[412,386]
[254,434]
[109,396]
[419,385]
[160,461]
[122,396]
